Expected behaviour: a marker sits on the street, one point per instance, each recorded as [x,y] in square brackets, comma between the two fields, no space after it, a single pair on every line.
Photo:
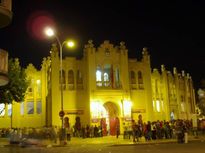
[192,147]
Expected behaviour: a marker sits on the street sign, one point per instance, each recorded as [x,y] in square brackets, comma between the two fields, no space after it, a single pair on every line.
[61,113]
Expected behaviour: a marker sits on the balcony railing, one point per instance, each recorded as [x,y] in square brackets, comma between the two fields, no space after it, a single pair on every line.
[108,85]
[6,4]
[3,67]
[5,13]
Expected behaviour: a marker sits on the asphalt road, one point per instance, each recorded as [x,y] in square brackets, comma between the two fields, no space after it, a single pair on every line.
[192,147]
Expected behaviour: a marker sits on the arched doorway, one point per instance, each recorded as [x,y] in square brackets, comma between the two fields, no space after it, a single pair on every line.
[111,119]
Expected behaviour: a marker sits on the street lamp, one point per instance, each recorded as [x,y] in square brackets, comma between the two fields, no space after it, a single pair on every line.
[49,32]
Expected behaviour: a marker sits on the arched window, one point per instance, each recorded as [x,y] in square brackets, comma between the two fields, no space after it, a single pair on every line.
[108,76]
[133,78]
[98,74]
[70,77]
[107,72]
[140,80]
[79,77]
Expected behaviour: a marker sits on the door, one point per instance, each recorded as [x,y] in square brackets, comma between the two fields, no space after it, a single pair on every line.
[104,126]
[114,122]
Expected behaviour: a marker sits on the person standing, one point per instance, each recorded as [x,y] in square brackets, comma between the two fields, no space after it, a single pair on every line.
[125,128]
[67,128]
[54,133]
[133,130]
[87,131]
[117,130]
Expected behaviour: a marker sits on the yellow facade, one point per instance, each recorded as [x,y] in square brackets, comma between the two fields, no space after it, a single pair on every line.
[106,84]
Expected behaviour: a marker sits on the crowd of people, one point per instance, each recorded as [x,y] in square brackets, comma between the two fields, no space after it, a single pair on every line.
[162,130]
[132,130]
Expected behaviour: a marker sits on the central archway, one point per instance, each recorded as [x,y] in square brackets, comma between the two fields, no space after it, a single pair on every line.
[111,119]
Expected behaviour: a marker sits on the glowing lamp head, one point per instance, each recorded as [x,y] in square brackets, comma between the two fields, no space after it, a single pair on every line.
[49,32]
[70,44]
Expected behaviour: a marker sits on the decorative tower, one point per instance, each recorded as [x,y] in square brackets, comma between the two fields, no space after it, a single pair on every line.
[147,83]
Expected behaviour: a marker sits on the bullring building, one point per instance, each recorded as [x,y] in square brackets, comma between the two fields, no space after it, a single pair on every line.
[104,87]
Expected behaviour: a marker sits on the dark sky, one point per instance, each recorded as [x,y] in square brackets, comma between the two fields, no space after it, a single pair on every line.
[172,30]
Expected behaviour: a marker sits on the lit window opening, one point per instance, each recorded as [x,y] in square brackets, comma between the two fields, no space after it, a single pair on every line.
[98,75]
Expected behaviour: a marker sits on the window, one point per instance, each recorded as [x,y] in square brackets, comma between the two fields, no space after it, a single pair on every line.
[38,85]
[30,107]
[38,106]
[98,74]
[133,78]
[158,105]
[79,77]
[140,80]
[70,77]
[2,109]
[9,109]
[106,77]
[22,108]
[107,72]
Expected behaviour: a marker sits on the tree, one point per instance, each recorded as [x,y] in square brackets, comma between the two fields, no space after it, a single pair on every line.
[201,97]
[16,88]
[201,101]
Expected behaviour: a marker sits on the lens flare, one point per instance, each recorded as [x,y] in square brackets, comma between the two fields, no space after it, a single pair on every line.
[37,22]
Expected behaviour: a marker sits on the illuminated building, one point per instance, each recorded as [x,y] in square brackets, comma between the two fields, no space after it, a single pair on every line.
[104,87]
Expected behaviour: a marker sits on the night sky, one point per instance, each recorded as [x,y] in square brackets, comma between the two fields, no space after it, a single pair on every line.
[173,31]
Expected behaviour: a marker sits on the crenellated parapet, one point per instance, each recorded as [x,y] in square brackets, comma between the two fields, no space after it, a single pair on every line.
[30,70]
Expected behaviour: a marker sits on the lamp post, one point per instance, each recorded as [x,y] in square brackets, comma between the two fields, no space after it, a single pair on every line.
[49,32]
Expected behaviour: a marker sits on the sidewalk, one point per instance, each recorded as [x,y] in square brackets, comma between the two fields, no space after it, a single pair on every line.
[108,140]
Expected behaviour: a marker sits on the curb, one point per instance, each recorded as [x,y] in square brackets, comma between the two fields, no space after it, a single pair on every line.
[115,145]
[154,143]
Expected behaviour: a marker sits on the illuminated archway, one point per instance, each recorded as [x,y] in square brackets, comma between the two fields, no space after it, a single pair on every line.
[111,118]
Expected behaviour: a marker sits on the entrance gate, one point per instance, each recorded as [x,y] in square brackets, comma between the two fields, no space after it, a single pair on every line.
[111,120]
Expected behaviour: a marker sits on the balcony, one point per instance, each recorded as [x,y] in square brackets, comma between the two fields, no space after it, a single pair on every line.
[108,85]
[5,13]
[3,67]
